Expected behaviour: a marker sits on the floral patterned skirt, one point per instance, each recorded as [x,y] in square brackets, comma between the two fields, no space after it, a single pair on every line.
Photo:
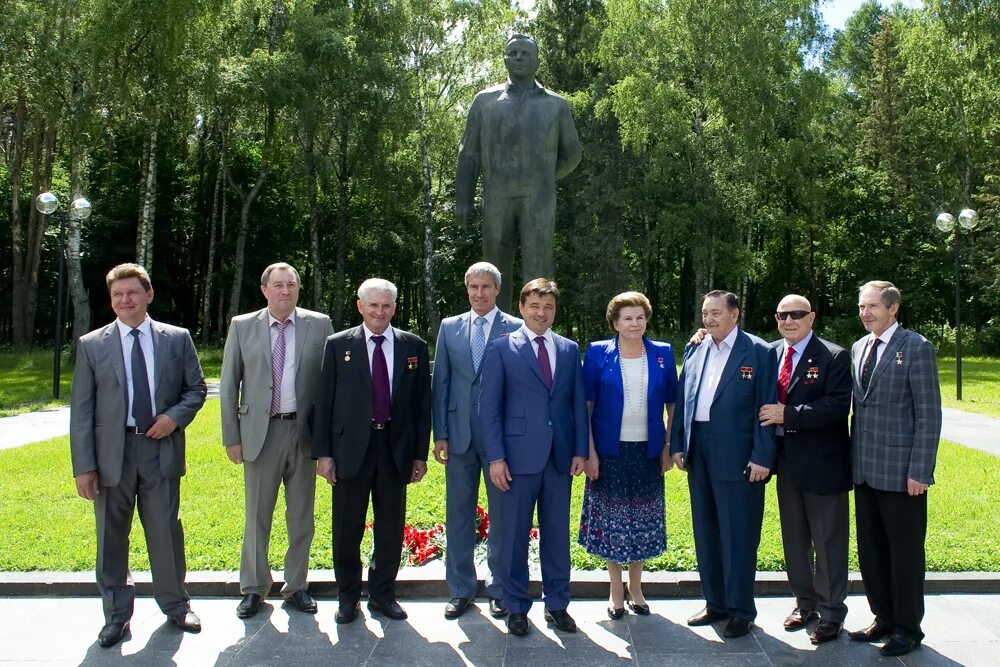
[623,510]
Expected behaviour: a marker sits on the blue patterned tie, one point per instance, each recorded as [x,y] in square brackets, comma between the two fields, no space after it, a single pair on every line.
[478,343]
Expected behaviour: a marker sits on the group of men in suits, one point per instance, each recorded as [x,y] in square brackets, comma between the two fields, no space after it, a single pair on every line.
[752,407]
[508,407]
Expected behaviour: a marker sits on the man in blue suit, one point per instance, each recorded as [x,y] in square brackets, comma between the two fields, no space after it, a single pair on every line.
[458,445]
[717,438]
[533,415]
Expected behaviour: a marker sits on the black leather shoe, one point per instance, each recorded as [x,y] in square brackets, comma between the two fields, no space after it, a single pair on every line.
[825,631]
[497,608]
[799,618]
[638,609]
[302,601]
[898,645]
[561,619]
[346,613]
[706,617]
[112,633]
[737,627]
[872,633]
[616,614]
[187,621]
[388,608]
[456,607]
[517,624]
[249,605]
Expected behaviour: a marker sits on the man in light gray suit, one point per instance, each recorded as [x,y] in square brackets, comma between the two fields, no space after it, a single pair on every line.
[894,440]
[270,371]
[137,385]
[458,445]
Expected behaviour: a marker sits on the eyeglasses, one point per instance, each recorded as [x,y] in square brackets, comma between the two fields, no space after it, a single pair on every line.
[794,314]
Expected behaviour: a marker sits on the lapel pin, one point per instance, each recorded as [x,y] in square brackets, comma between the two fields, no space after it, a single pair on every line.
[659,360]
[347,355]
[746,372]
[411,362]
[899,358]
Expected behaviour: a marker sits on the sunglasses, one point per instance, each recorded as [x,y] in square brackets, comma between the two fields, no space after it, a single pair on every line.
[794,314]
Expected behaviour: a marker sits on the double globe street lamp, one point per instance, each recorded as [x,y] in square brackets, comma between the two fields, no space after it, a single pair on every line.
[967,219]
[48,204]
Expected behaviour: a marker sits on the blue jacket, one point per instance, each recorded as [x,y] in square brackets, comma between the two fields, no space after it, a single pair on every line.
[522,420]
[602,382]
[749,380]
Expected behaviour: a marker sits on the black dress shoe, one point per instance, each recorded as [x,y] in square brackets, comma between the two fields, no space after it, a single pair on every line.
[706,617]
[799,618]
[561,619]
[872,633]
[615,614]
[249,605]
[456,607]
[825,631]
[112,633]
[302,601]
[517,624]
[346,613]
[388,608]
[187,621]
[497,608]
[898,645]
[638,609]
[737,627]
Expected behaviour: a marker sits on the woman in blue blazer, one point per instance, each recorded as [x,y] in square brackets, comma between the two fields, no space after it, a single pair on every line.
[629,382]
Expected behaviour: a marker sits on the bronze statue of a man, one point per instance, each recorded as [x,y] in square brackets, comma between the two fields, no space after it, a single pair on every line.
[522,138]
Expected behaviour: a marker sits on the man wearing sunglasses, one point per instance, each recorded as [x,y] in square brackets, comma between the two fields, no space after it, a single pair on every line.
[813,467]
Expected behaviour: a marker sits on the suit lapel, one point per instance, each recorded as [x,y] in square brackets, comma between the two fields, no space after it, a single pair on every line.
[358,348]
[115,356]
[399,350]
[527,352]
[301,332]
[732,364]
[159,356]
[888,356]
[813,350]
[262,331]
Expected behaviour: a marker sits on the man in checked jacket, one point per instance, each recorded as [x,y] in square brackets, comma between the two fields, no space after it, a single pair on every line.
[894,438]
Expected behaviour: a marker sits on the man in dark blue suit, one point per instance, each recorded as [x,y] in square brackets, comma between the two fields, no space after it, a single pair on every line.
[533,415]
[728,454]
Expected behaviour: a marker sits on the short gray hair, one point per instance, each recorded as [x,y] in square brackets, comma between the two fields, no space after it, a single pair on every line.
[376,285]
[483,269]
[278,266]
[890,293]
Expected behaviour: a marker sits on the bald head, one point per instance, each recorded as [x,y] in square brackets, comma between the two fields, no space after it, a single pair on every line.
[795,318]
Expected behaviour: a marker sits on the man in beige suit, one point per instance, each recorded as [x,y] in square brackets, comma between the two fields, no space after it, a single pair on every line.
[137,385]
[270,370]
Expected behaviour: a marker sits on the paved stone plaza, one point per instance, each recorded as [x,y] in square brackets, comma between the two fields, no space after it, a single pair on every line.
[961,630]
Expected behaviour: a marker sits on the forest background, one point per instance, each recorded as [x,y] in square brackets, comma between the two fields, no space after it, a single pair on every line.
[737,144]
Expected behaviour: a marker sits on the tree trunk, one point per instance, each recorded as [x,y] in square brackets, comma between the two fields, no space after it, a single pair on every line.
[144,237]
[19,336]
[427,206]
[314,248]
[77,291]
[206,300]
[343,218]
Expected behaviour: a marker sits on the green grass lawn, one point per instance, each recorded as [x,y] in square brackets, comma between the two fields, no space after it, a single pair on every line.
[47,527]
[980,384]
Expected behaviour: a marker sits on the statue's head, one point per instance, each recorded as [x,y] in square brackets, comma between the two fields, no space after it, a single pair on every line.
[521,57]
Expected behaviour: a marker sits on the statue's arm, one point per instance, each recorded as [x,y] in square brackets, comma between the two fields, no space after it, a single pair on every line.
[570,150]
[468,164]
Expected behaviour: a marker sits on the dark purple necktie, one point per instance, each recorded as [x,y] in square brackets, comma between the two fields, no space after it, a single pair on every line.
[381,399]
[543,361]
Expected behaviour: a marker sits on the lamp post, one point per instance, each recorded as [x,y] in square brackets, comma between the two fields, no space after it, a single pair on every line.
[48,204]
[967,219]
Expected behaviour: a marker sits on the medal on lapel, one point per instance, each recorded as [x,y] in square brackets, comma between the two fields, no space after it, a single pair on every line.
[746,372]
[899,358]
[347,355]
[659,360]
[411,362]
[812,373]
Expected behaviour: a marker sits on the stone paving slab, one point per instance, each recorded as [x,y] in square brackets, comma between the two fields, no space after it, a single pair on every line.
[961,630]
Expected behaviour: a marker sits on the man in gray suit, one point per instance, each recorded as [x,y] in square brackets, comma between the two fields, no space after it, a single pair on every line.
[137,385]
[270,371]
[894,437]
[458,444]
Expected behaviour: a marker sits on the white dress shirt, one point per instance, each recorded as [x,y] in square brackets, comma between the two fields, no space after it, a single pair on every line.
[550,345]
[146,343]
[388,346]
[718,355]
[885,338]
[288,403]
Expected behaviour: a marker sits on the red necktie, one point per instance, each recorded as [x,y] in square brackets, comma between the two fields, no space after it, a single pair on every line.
[785,376]
[543,361]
